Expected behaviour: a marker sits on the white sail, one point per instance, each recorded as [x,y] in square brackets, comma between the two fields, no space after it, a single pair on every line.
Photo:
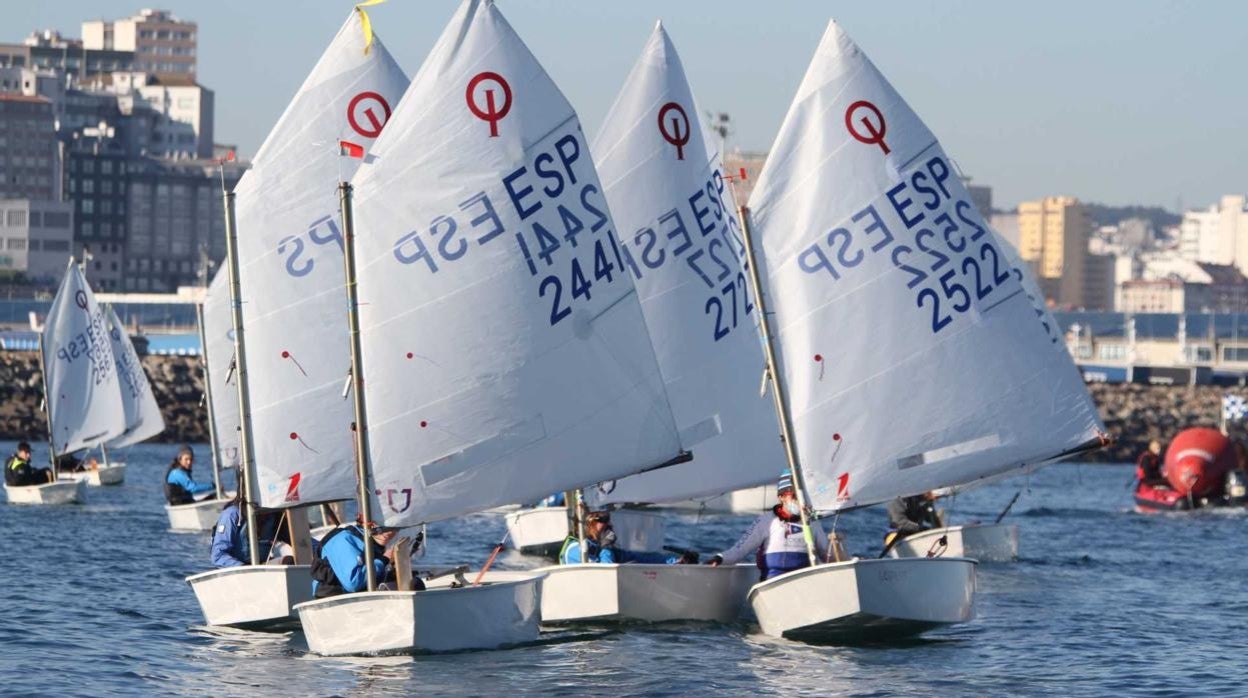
[219,335]
[682,245]
[143,418]
[84,397]
[912,355]
[504,352]
[291,271]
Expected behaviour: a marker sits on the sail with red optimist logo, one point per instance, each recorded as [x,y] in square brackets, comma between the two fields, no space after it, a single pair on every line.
[664,181]
[504,351]
[290,270]
[913,356]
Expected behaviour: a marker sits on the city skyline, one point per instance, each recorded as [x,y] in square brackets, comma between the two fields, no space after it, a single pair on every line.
[1109,106]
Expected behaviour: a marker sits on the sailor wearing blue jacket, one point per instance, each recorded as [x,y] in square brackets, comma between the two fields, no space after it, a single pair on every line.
[600,546]
[339,566]
[230,547]
[179,487]
[779,535]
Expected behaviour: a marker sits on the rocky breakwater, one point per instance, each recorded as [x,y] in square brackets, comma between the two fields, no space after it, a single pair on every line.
[1137,414]
[178,382]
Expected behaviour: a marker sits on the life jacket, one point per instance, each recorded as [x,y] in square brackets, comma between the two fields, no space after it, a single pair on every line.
[327,583]
[16,471]
[785,549]
[176,494]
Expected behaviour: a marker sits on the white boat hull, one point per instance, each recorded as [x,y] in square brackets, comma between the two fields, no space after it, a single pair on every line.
[648,593]
[985,543]
[542,530]
[111,474]
[252,597]
[59,492]
[504,611]
[863,600]
[200,516]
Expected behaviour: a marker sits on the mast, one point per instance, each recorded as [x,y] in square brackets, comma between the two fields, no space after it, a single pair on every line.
[357,379]
[240,357]
[212,427]
[47,409]
[777,384]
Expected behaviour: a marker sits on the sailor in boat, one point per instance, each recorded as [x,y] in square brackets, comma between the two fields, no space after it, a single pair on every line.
[229,539]
[775,538]
[338,565]
[19,473]
[68,463]
[600,546]
[910,515]
[1148,466]
[180,487]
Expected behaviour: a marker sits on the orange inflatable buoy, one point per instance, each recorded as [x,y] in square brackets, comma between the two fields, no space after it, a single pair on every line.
[1198,460]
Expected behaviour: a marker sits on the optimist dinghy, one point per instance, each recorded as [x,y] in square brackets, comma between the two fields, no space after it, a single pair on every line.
[290,344]
[59,492]
[497,370]
[906,355]
[981,542]
[82,393]
[543,530]
[662,174]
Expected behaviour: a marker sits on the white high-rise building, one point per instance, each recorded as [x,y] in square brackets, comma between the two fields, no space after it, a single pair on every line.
[1217,235]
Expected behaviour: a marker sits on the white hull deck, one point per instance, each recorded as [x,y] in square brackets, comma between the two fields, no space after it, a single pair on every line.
[111,474]
[866,600]
[501,612]
[252,597]
[59,492]
[982,542]
[645,593]
[542,530]
[200,516]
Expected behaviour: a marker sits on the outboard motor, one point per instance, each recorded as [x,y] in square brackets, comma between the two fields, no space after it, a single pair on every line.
[1237,487]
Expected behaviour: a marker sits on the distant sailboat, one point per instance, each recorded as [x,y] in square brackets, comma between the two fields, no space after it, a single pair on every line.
[501,354]
[904,354]
[143,417]
[217,340]
[292,351]
[81,388]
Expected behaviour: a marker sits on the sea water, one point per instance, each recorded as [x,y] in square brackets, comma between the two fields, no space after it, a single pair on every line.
[1103,601]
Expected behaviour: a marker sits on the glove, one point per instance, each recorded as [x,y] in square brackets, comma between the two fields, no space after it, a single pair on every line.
[688,558]
[715,561]
[607,539]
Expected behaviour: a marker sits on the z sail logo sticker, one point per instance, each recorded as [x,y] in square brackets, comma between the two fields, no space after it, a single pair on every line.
[292,490]
[842,487]
[491,112]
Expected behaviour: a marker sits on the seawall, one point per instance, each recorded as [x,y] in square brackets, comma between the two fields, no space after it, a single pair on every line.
[1133,414]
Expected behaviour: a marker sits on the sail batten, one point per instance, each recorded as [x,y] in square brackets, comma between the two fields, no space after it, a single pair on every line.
[504,352]
[911,344]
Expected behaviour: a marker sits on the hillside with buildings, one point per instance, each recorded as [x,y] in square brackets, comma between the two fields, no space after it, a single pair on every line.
[107,145]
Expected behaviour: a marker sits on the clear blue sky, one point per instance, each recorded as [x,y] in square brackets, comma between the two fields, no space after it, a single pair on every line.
[1119,101]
